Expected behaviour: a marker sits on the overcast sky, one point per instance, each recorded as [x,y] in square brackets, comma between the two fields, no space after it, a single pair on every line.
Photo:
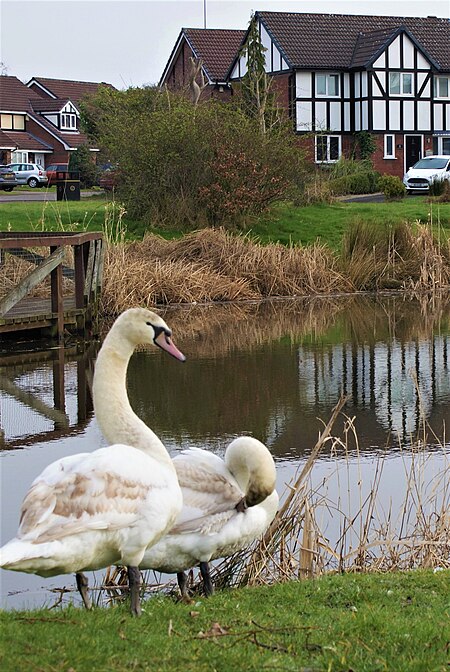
[128,42]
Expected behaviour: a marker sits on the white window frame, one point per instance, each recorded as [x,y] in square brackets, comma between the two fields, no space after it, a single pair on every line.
[71,118]
[401,91]
[387,154]
[436,84]
[328,138]
[328,76]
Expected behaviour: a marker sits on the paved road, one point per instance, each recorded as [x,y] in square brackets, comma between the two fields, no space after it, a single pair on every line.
[38,195]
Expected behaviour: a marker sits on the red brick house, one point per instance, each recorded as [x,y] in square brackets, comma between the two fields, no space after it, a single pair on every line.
[39,122]
[215,49]
[337,75]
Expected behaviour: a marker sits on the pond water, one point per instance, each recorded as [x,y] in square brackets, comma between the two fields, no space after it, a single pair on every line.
[274,370]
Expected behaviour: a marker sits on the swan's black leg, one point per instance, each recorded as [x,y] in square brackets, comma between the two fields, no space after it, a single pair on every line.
[82,585]
[207,583]
[182,584]
[134,583]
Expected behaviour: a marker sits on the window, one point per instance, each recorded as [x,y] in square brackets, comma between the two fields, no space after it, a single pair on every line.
[12,122]
[327,85]
[441,145]
[69,121]
[441,87]
[400,83]
[328,148]
[389,146]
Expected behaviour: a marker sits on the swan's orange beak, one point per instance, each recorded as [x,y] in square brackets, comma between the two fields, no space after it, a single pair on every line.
[165,343]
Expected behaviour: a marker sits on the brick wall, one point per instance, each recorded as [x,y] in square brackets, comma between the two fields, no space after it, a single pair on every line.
[59,155]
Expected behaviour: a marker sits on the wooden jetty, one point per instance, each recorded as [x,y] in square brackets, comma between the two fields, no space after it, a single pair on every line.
[56,310]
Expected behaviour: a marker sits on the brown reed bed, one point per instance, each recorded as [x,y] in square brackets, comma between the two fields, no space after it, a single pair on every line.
[213,265]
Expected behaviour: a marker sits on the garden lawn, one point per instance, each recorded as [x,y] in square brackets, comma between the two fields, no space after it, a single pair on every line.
[285,222]
[361,623]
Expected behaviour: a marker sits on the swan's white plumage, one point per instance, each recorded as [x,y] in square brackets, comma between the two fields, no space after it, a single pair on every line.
[209,525]
[91,510]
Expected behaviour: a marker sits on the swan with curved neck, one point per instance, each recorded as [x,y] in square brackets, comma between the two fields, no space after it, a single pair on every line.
[227,504]
[91,510]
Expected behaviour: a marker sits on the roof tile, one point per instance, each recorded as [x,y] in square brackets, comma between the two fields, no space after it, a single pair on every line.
[329,40]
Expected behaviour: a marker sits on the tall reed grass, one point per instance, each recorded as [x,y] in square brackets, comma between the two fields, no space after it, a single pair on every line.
[215,265]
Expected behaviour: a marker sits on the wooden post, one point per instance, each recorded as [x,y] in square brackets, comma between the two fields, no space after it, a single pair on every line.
[57,297]
[59,397]
[79,276]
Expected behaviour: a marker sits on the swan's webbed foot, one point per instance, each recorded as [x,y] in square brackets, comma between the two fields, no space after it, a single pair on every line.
[207,582]
[134,583]
[83,589]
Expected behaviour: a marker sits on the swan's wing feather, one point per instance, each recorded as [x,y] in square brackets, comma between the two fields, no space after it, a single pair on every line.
[208,488]
[203,525]
[70,497]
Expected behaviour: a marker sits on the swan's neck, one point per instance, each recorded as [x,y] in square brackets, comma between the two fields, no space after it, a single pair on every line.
[117,420]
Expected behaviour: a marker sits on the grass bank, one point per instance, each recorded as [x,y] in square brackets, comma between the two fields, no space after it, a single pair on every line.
[363,623]
[285,222]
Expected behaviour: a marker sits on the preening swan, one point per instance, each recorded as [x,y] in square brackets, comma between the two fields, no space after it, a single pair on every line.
[91,510]
[227,504]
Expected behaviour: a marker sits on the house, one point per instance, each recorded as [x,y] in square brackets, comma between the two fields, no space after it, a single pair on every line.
[337,75]
[213,50]
[40,121]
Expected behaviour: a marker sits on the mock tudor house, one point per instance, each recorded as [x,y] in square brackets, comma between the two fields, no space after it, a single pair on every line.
[39,122]
[337,75]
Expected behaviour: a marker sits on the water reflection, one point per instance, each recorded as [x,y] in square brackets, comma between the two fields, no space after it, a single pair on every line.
[274,370]
[45,395]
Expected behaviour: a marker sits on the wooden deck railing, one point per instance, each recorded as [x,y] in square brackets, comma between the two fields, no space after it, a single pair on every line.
[19,310]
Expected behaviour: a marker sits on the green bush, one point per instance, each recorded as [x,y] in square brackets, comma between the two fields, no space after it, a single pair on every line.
[392,187]
[359,183]
[437,187]
[83,161]
[185,167]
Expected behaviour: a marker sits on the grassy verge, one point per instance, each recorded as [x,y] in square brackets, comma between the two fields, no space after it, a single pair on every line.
[285,223]
[328,223]
[345,622]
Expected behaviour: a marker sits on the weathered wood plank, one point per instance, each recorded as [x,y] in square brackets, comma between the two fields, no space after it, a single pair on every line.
[31,280]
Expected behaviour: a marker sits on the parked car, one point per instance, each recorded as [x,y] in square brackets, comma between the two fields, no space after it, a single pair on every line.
[427,170]
[109,179]
[7,179]
[52,171]
[29,173]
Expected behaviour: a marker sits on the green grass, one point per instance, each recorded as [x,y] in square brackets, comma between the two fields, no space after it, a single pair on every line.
[327,223]
[364,623]
[285,222]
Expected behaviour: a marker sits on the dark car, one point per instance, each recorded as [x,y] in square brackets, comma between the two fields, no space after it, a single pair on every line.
[109,179]
[52,172]
[7,179]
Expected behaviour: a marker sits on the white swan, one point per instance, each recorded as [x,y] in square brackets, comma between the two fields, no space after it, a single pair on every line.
[91,510]
[227,504]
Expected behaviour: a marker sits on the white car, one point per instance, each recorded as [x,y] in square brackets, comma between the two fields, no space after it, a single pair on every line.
[29,173]
[427,170]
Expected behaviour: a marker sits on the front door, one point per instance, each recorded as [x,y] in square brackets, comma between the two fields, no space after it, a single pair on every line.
[413,150]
